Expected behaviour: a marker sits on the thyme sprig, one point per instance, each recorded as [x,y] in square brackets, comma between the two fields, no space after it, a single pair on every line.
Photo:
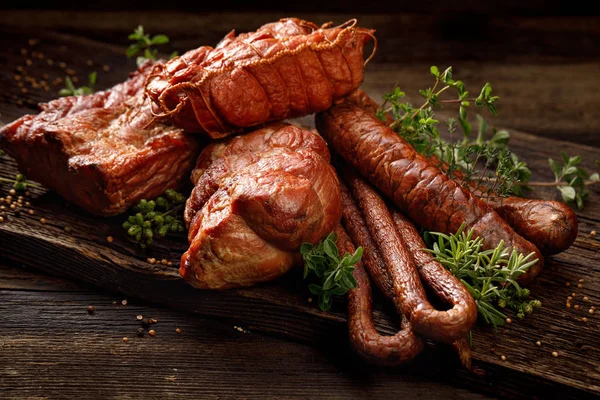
[332,274]
[71,90]
[20,183]
[157,217]
[489,275]
[143,46]
[484,163]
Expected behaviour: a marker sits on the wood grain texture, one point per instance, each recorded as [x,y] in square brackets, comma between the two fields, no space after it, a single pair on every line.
[280,308]
[51,347]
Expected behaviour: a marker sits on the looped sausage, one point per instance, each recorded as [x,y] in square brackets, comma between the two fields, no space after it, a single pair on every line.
[385,350]
[445,326]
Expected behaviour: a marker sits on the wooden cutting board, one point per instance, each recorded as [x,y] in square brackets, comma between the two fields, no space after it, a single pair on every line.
[282,307]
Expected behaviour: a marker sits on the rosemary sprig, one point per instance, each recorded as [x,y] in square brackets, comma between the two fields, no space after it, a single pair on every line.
[156,218]
[489,275]
[143,46]
[332,274]
[71,90]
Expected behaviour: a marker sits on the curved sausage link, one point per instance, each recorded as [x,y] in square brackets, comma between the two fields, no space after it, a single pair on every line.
[385,350]
[445,285]
[354,223]
[550,225]
[443,326]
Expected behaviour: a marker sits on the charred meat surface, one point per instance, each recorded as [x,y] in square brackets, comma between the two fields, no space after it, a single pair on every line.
[104,151]
[257,198]
[285,69]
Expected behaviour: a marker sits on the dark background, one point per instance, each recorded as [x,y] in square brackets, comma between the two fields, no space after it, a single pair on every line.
[496,7]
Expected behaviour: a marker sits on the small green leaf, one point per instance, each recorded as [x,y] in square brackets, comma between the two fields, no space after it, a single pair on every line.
[567,192]
[159,39]
[434,71]
[556,168]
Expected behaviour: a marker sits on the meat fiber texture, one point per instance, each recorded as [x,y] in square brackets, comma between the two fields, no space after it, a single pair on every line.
[285,69]
[257,198]
[104,151]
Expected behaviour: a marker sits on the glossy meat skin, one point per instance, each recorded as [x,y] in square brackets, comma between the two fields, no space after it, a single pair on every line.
[102,151]
[285,69]
[257,198]
[420,189]
[550,225]
[402,261]
[367,343]
[379,349]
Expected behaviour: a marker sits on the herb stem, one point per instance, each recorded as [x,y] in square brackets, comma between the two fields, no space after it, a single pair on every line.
[29,183]
[543,184]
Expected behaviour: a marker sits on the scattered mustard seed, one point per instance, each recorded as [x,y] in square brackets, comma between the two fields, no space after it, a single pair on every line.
[503,358]
[508,320]
[310,299]
[170,264]
[579,285]
[164,262]
[585,298]
[591,311]
[568,305]
[139,317]
[538,343]
[109,239]
[593,233]
[576,306]
[151,332]
[569,298]
[124,302]
[126,339]
[12,192]
[554,354]
[43,220]
[584,319]
[68,229]
[91,309]
[105,68]
[30,212]
[1,219]
[573,294]
[178,330]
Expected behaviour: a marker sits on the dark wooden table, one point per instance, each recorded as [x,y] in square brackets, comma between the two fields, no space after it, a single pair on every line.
[544,68]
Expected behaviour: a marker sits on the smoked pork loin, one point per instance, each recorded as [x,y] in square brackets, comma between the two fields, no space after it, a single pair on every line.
[257,198]
[103,151]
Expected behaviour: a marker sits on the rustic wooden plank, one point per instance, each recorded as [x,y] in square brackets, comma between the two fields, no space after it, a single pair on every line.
[280,307]
[52,348]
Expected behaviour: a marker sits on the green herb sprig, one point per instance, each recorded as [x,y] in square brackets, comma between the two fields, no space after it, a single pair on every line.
[332,274]
[157,217]
[143,46]
[485,163]
[489,275]
[71,90]
[20,183]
